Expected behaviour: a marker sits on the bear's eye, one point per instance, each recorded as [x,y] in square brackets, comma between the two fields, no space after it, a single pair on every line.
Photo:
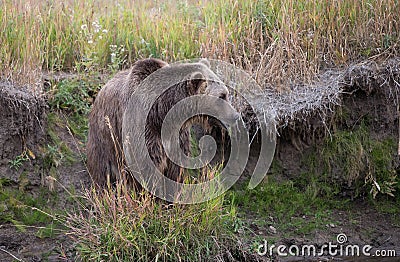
[223,96]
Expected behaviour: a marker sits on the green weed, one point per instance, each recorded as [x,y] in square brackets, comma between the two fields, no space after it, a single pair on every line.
[19,160]
[73,99]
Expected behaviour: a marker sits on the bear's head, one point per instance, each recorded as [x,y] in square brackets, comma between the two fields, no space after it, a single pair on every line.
[203,81]
[182,80]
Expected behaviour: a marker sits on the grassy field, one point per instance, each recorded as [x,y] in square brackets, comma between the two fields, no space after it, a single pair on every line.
[277,41]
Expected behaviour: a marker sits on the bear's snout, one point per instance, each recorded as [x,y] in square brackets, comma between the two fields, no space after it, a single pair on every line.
[236,116]
[233,118]
[230,118]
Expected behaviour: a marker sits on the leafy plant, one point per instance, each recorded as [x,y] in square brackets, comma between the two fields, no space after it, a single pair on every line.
[19,160]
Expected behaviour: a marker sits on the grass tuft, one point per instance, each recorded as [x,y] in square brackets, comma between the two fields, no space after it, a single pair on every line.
[117,225]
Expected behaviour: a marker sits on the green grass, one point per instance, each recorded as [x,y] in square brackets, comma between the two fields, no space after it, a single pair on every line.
[288,204]
[275,39]
[115,225]
[25,209]
[361,161]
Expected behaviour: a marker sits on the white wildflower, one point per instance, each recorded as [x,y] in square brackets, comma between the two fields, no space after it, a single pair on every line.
[83,27]
[96,26]
[113,57]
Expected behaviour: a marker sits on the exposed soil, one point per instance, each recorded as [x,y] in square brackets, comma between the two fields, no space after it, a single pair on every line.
[23,125]
[376,106]
[26,246]
[362,226]
[24,128]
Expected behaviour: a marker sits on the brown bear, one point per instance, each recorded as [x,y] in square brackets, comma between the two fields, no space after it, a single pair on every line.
[105,160]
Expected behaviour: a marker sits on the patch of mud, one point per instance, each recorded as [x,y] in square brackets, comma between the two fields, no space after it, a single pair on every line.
[362,226]
[26,246]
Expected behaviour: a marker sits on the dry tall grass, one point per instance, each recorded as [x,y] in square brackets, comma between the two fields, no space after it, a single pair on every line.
[277,41]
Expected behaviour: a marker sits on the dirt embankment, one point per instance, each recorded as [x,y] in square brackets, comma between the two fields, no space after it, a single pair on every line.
[311,120]
[307,116]
[22,129]
[315,134]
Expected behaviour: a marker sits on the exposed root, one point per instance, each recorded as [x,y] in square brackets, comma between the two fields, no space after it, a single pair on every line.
[309,109]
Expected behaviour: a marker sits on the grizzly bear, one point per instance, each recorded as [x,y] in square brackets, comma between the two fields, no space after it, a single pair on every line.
[105,159]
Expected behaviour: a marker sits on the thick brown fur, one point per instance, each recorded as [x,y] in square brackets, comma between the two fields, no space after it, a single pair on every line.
[104,149]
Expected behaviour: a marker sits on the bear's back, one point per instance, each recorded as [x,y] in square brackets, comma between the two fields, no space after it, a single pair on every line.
[104,146]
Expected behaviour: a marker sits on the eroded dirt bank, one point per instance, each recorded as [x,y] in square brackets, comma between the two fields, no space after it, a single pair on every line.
[363,114]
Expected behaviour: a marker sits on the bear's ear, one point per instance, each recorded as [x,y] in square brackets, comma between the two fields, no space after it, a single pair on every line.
[205,62]
[197,83]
